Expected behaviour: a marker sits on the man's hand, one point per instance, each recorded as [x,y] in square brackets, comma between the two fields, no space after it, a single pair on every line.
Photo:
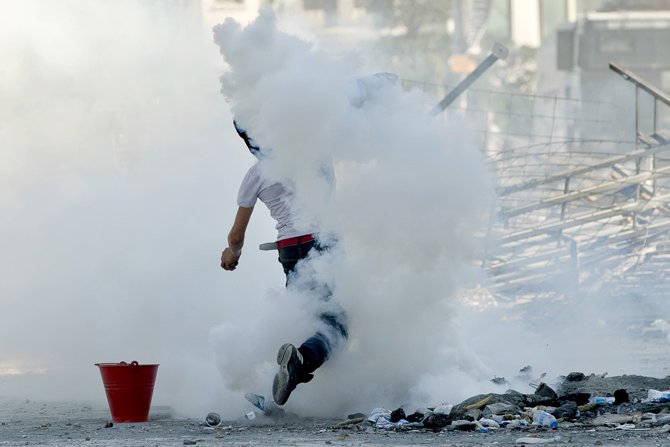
[232,254]
[229,259]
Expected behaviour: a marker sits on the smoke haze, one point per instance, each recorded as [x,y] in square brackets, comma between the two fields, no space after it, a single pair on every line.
[118,160]
[119,168]
[410,191]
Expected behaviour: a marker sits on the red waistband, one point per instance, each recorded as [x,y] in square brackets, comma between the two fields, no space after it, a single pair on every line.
[295,241]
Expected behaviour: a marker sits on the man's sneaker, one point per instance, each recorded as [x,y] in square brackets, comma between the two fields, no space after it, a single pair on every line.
[290,373]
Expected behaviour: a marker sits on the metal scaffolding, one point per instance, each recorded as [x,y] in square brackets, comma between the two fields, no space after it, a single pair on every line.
[583,194]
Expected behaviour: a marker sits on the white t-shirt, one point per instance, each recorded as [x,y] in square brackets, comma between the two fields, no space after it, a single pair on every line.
[274,195]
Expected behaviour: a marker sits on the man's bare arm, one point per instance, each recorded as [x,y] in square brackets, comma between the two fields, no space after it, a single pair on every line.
[231,255]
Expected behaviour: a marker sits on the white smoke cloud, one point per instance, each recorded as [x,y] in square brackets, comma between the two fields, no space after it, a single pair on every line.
[410,193]
[113,178]
[118,174]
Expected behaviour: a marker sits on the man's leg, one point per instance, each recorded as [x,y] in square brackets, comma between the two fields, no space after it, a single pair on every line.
[296,365]
[291,373]
[317,348]
[291,368]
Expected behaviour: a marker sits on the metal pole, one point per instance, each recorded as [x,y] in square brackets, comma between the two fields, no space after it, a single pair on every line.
[499,51]
[653,156]
[637,116]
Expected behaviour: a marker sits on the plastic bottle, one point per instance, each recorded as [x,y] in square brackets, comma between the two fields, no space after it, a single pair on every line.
[657,396]
[256,400]
[544,419]
[601,400]
[515,423]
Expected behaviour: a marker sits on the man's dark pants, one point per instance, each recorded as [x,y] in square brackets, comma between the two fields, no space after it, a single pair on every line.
[317,348]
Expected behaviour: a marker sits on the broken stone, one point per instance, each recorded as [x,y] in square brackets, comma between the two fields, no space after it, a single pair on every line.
[663,418]
[566,411]
[578,398]
[478,404]
[534,400]
[463,425]
[575,377]
[636,386]
[436,421]
[349,422]
[515,398]
[398,414]
[620,397]
[586,408]
[415,417]
[652,407]
[356,416]
[473,415]
[443,409]
[513,393]
[545,390]
[499,408]
[510,397]
[612,419]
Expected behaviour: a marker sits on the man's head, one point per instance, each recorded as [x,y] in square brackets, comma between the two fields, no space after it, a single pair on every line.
[251,144]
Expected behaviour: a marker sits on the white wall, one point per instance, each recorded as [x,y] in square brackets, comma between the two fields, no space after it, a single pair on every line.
[525,22]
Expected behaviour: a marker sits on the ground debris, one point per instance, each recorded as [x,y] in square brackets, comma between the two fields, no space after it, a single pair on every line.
[483,419]
[597,401]
[575,377]
[612,419]
[349,422]
[537,440]
[479,404]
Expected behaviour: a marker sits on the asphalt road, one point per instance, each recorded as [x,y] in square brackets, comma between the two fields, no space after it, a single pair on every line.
[32,423]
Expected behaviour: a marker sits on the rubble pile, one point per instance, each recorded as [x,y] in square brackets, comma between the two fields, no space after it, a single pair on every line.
[626,402]
[580,405]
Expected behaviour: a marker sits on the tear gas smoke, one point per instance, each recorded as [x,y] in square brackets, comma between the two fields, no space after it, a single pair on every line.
[114,170]
[409,193]
[119,170]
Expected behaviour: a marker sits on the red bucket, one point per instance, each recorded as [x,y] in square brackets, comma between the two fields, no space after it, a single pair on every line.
[129,388]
